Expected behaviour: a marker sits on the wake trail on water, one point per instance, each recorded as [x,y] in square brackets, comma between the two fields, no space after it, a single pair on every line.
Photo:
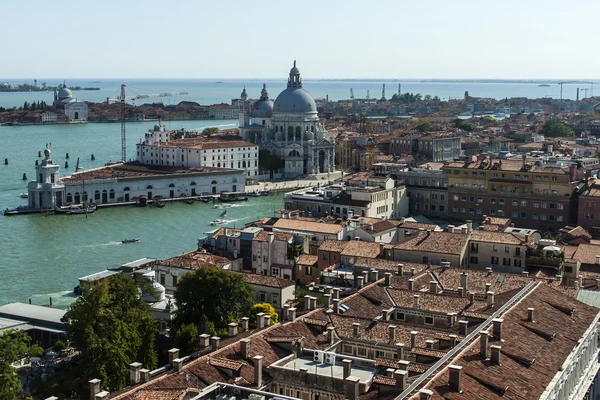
[104,244]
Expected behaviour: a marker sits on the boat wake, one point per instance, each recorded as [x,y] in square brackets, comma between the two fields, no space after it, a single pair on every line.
[104,244]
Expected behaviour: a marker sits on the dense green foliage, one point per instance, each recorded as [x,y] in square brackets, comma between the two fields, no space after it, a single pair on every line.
[423,127]
[186,339]
[210,131]
[263,308]
[211,296]
[14,345]
[409,98]
[112,327]
[464,124]
[556,128]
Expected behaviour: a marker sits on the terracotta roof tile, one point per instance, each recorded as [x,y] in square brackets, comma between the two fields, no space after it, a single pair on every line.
[265,280]
[435,242]
[307,259]
[358,248]
[334,245]
[306,226]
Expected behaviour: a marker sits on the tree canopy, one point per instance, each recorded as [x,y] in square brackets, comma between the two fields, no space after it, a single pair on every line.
[211,296]
[112,327]
[556,128]
[464,124]
[14,345]
[210,131]
[263,308]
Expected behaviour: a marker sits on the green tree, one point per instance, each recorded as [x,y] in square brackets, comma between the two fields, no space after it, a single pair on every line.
[26,106]
[556,128]
[186,339]
[216,295]
[112,327]
[423,127]
[465,125]
[14,345]
[263,308]
[208,132]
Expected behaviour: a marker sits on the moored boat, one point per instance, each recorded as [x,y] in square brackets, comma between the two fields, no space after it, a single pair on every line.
[254,193]
[75,209]
[264,193]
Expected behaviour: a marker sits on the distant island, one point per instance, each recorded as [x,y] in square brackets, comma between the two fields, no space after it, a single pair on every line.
[25,87]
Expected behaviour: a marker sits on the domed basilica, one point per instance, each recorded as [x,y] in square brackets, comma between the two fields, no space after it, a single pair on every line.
[289,128]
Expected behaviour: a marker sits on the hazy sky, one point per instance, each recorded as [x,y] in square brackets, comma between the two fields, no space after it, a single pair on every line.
[329,38]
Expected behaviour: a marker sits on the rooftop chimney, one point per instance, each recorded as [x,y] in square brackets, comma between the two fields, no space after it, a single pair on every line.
[331,334]
[360,281]
[134,373]
[483,343]
[336,306]
[260,320]
[490,298]
[286,312]
[366,276]
[388,278]
[433,287]
[204,340]
[177,364]
[392,334]
[173,354]
[144,375]
[307,302]
[400,269]
[530,312]
[463,327]
[245,347]
[373,275]
[94,387]
[496,353]
[293,314]
[233,328]
[355,330]
[411,284]
[214,342]
[400,351]
[401,378]
[102,395]
[413,339]
[461,291]
[412,271]
[257,371]
[487,288]
[313,303]
[352,388]
[416,301]
[497,329]
[471,298]
[336,293]
[464,280]
[327,300]
[403,365]
[429,343]
[267,320]
[453,340]
[454,380]
[425,394]
[347,367]
[246,323]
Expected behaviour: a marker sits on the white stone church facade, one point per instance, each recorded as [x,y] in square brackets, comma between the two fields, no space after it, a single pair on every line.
[289,128]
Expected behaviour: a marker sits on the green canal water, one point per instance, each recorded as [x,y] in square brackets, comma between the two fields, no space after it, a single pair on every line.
[42,256]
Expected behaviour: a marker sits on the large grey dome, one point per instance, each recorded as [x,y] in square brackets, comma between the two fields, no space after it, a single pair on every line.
[295,100]
[64,93]
[262,109]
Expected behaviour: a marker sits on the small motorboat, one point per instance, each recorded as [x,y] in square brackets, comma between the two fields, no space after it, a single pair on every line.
[218,221]
[224,213]
[188,201]
[241,198]
[134,240]
[205,199]
[24,195]
[221,205]
[75,209]
[264,193]
[254,193]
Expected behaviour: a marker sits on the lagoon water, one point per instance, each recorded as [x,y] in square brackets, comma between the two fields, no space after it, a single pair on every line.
[42,256]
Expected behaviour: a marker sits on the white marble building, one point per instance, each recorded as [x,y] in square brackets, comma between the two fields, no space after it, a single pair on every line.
[195,152]
[289,128]
[64,102]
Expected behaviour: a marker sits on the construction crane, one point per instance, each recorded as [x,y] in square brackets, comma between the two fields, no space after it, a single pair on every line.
[351,94]
[585,94]
[111,100]
[591,87]
[561,87]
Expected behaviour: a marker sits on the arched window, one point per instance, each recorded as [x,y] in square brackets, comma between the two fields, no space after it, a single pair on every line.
[234,180]
[111,194]
[219,165]
[126,189]
[97,195]
[276,128]
[291,133]
[312,128]
[85,197]
[77,198]
[70,197]
[172,185]
[298,130]
[149,187]
[213,183]
[193,184]
[294,153]
[244,164]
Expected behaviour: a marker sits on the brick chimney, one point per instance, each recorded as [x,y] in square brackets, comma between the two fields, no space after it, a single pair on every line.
[388,278]
[204,340]
[173,354]
[497,327]
[483,344]
[530,312]
[266,320]
[327,300]
[360,281]
[355,330]
[134,373]
[94,387]
[336,306]
[416,298]
[352,388]
[260,320]
[246,323]
[307,302]
[257,370]
[401,378]
[214,342]
[463,327]
[245,347]
[433,287]
[373,275]
[144,375]
[366,276]
[392,334]
[400,269]
[104,395]
[177,364]
[286,311]
[496,353]
[400,351]
[347,367]
[293,314]
[425,394]
[331,334]
[453,340]
[454,379]
[411,284]
[464,280]
[413,339]
[233,328]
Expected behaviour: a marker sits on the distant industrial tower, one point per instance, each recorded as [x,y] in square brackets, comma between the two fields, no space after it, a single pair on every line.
[351,93]
[383,92]
[399,89]
[367,93]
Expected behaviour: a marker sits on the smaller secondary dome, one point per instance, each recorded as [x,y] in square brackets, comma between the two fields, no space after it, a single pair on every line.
[244,94]
[294,70]
[47,152]
[262,109]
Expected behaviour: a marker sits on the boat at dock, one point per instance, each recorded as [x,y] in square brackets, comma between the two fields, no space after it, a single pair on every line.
[134,240]
[75,209]
[233,196]
[264,193]
[254,193]
[189,201]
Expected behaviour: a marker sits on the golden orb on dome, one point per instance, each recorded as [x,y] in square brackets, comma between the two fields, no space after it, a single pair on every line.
[47,153]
